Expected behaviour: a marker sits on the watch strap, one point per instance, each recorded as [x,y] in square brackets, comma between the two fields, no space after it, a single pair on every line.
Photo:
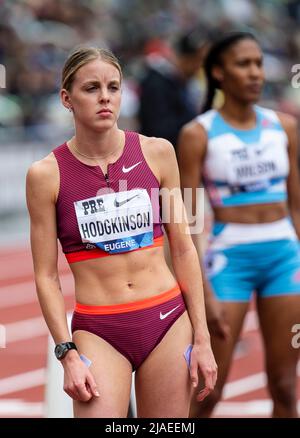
[62,349]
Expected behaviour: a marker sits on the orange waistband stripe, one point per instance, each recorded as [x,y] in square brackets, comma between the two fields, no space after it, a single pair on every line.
[79,256]
[129,307]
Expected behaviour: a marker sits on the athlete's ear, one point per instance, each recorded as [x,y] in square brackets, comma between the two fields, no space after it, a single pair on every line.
[217,73]
[65,99]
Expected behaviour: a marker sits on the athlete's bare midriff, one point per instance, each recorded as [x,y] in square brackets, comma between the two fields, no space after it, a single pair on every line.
[251,214]
[122,278]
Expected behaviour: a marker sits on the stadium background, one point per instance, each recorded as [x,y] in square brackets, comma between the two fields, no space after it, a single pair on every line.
[35,37]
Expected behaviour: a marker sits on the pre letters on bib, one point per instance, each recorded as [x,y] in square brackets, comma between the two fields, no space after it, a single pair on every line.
[116,222]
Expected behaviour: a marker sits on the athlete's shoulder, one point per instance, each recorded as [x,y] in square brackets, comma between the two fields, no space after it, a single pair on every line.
[200,126]
[156,146]
[193,140]
[43,175]
[206,119]
[44,167]
[193,129]
[288,121]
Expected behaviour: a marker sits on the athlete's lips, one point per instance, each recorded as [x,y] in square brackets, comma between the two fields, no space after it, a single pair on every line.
[255,87]
[104,111]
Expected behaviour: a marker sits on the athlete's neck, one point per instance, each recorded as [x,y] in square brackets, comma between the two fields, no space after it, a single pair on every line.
[102,145]
[238,114]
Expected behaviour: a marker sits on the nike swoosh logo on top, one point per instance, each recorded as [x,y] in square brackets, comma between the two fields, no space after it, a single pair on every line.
[266,146]
[128,169]
[164,315]
[120,203]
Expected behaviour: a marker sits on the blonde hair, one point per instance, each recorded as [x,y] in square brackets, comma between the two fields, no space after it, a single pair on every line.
[80,57]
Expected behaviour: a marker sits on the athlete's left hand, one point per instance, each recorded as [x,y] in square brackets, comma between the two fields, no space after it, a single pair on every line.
[202,360]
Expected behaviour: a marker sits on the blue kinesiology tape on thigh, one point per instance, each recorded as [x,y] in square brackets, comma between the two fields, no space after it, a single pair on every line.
[85,360]
[187,355]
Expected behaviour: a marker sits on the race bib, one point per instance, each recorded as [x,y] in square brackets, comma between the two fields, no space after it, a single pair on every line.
[251,167]
[116,222]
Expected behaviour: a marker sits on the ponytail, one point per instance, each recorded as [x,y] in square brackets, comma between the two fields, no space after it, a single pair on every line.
[212,86]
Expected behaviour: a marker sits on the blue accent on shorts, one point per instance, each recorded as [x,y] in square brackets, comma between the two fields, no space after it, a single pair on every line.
[270,268]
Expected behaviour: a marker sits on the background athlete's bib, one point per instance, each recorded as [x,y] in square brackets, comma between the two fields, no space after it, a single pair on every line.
[116,222]
[251,167]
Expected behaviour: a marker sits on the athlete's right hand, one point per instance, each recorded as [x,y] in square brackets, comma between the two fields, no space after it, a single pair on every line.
[79,382]
[216,317]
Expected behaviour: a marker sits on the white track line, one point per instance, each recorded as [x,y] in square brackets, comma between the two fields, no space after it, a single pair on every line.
[251,321]
[19,382]
[25,329]
[24,292]
[244,385]
[247,384]
[256,408]
[20,408]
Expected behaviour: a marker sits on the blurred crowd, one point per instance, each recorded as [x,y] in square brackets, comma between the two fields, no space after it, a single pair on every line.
[36,36]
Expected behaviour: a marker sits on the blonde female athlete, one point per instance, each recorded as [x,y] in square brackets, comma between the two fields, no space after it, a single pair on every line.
[246,156]
[98,193]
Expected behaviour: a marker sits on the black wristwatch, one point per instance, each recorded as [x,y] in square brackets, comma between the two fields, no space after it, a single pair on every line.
[62,349]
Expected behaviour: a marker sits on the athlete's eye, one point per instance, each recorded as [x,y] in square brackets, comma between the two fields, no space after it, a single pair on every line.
[243,63]
[93,88]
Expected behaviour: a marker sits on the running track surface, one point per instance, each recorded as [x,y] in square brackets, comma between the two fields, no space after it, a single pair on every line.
[23,360]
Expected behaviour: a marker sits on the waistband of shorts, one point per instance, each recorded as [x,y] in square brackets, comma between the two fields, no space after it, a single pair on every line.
[224,235]
[78,256]
[131,306]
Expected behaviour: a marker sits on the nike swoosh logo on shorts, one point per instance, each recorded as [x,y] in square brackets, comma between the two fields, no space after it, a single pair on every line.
[120,203]
[164,315]
[128,169]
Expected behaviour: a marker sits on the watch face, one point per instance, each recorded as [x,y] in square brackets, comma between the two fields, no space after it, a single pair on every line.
[62,349]
[59,351]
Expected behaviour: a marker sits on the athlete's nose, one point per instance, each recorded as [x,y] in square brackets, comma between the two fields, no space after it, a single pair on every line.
[255,70]
[104,96]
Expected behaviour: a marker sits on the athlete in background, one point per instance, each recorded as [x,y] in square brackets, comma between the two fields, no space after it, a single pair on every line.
[246,157]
